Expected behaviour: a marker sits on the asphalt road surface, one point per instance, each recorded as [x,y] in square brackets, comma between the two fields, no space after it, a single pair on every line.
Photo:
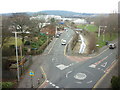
[69,72]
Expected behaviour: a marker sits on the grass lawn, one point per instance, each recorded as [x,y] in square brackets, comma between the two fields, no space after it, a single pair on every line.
[89,27]
[107,38]
[81,26]
[11,41]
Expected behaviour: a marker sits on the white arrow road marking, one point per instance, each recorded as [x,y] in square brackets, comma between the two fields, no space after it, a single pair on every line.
[68,73]
[104,65]
[89,82]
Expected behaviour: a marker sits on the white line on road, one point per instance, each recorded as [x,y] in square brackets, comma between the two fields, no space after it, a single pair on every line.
[110,54]
[89,82]
[52,84]
[52,46]
[98,68]
[57,87]
[92,66]
[104,64]
[79,82]
[68,73]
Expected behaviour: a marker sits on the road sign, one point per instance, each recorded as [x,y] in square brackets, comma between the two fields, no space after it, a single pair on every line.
[31,73]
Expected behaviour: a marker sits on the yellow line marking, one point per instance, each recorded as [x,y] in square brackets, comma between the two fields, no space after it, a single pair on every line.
[99,81]
[44,75]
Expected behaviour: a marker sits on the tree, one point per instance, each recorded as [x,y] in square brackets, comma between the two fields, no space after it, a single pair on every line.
[53,21]
[20,22]
[6,23]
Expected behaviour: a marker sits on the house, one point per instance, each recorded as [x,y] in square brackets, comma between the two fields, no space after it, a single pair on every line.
[49,30]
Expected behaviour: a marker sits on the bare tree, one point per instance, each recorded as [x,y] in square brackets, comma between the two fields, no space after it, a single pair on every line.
[91,42]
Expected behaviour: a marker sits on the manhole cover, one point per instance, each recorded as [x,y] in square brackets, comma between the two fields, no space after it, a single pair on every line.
[80,76]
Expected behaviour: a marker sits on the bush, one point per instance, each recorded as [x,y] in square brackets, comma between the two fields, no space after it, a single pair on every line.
[7,84]
[115,82]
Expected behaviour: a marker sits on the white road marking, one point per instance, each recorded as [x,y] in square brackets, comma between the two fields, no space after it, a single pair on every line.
[98,68]
[104,65]
[79,82]
[61,66]
[68,73]
[92,66]
[50,83]
[71,64]
[110,54]
[52,46]
[53,59]
[89,82]
[57,87]
[53,85]
[80,76]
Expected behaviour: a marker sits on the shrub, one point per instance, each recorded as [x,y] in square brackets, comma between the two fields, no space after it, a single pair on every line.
[7,84]
[115,82]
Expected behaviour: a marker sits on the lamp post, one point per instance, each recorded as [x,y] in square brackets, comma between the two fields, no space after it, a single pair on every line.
[100,29]
[18,73]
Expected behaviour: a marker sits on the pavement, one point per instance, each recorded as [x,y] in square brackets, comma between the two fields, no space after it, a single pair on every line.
[27,81]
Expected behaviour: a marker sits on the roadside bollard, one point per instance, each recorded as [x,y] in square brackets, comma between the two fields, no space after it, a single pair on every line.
[38,81]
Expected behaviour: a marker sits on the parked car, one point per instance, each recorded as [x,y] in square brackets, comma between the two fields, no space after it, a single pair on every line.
[111,46]
[57,36]
[63,42]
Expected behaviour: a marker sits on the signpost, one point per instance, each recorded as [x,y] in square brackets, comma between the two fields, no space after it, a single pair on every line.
[31,73]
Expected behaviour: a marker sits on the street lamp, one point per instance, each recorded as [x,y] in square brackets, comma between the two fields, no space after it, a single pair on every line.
[18,75]
[100,29]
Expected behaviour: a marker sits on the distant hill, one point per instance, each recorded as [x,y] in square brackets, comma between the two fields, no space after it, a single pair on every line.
[66,13]
[58,12]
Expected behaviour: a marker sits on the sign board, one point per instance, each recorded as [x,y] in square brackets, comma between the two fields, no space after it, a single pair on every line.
[31,73]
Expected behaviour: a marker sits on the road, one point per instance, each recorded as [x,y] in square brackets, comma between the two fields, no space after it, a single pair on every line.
[64,71]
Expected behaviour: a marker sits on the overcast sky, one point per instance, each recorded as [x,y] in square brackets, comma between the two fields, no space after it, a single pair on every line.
[82,6]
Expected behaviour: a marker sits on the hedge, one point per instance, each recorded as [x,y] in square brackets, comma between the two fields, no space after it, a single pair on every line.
[7,84]
[115,82]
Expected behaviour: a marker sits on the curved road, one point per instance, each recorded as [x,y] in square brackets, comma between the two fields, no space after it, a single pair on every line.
[72,72]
